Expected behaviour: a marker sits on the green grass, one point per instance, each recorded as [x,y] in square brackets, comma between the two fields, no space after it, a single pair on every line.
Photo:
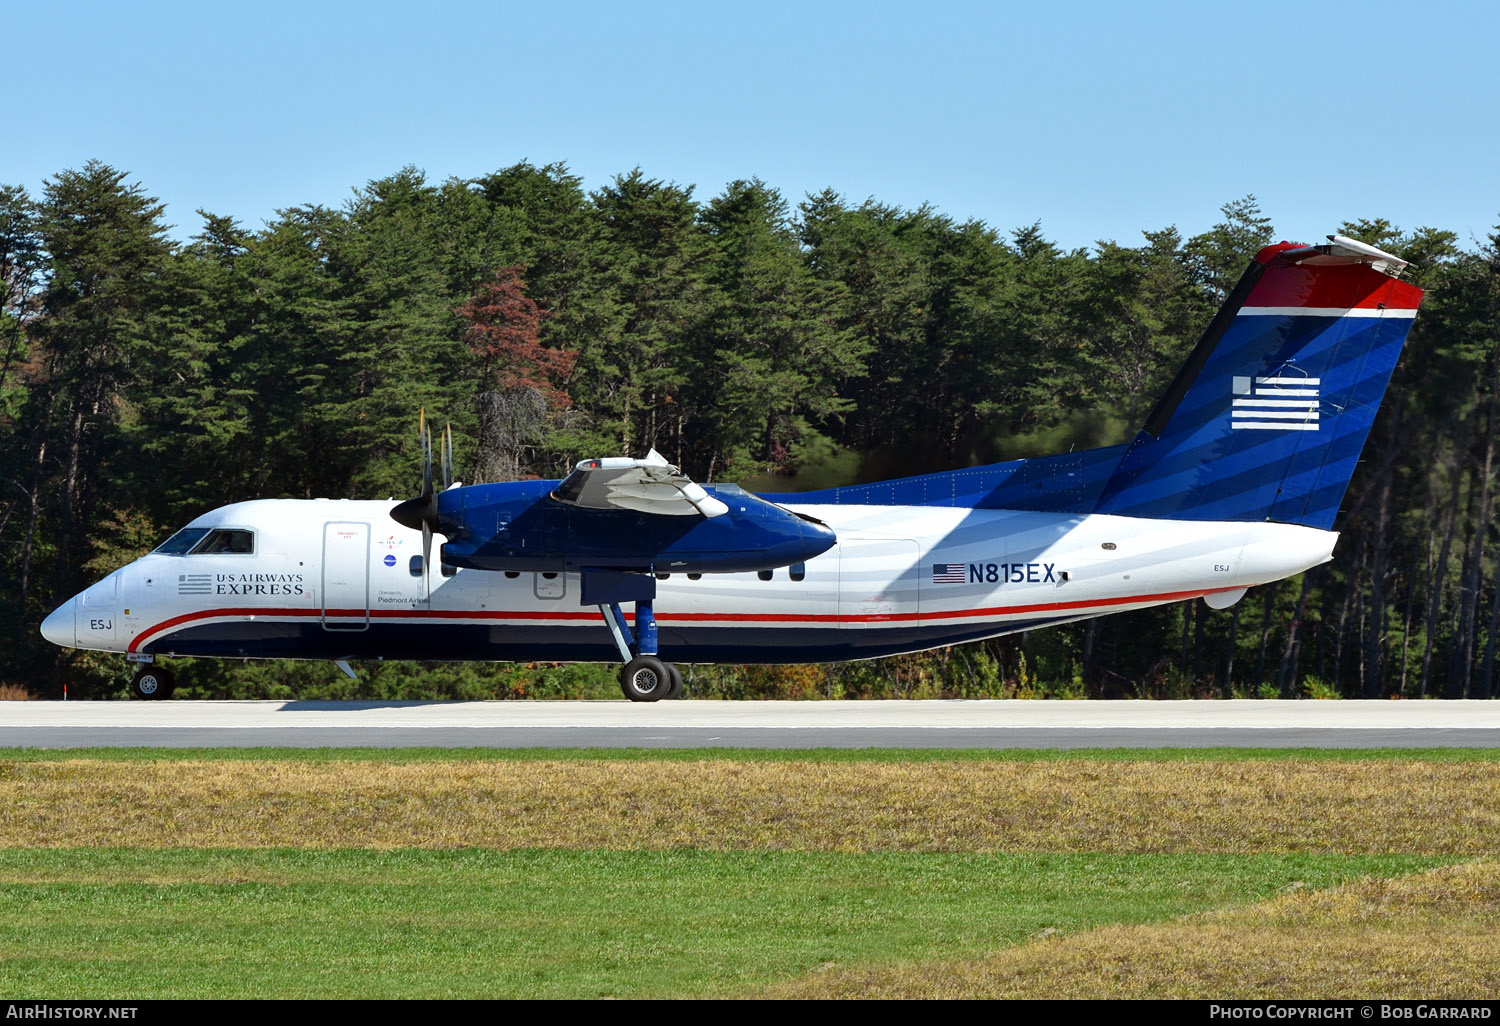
[830,755]
[757,916]
[113,923]
[1421,937]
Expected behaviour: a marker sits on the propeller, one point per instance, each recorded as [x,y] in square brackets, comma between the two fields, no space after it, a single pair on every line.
[447,461]
[421,513]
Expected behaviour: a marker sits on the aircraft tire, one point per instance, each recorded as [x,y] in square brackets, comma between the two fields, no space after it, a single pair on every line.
[152,683]
[674,689]
[645,679]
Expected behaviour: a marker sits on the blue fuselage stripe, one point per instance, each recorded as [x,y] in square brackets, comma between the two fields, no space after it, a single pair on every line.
[271,639]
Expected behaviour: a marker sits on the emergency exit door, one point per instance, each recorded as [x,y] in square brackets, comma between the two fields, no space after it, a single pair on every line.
[346,576]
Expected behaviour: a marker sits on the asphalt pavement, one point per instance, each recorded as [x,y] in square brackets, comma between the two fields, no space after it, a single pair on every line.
[709,724]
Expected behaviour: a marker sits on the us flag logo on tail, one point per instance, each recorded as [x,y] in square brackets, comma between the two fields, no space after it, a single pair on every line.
[950,573]
[1275,404]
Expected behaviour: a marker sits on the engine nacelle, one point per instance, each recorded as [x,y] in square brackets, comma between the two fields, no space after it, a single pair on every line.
[519,526]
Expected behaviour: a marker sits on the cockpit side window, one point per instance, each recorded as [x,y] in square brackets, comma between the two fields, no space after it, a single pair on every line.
[183,541]
[226,539]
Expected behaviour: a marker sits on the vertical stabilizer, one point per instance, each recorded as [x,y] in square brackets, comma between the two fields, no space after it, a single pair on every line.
[1267,418]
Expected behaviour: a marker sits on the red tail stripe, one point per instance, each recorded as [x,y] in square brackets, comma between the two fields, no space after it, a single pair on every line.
[1343,287]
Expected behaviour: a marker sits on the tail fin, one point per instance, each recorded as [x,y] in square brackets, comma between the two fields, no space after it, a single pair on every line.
[1267,418]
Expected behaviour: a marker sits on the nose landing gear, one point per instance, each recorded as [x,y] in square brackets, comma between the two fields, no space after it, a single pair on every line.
[152,682]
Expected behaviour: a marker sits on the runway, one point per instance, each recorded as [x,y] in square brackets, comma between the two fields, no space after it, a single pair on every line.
[704,724]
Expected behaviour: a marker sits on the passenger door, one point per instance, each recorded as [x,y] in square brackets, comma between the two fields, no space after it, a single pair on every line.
[346,576]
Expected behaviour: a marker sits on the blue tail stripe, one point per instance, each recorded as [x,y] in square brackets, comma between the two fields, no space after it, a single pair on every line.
[1203,468]
[1196,473]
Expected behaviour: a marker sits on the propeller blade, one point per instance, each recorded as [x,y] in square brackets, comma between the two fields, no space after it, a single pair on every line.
[426,456]
[421,512]
[427,560]
[447,463]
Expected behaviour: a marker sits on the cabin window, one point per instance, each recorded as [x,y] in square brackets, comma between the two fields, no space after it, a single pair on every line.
[797,571]
[449,571]
[1108,546]
[222,540]
[182,542]
[511,575]
[415,566]
[764,575]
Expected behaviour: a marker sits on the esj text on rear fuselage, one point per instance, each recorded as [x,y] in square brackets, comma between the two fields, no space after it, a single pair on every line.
[1234,481]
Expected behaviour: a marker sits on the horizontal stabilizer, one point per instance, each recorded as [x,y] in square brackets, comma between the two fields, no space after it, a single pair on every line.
[1343,250]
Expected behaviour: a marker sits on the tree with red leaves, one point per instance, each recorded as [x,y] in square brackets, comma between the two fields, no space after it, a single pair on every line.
[505,333]
[520,378]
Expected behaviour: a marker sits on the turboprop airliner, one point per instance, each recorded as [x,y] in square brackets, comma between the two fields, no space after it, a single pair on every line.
[1234,481]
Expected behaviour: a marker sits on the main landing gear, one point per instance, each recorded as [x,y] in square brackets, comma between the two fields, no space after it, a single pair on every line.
[152,682]
[644,677]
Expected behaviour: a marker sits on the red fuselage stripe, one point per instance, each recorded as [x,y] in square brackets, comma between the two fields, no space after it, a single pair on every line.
[668,618]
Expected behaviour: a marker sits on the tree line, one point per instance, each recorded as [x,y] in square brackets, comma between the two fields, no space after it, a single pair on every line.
[145,381]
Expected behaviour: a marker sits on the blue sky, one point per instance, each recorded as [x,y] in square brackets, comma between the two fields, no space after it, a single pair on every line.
[1096,119]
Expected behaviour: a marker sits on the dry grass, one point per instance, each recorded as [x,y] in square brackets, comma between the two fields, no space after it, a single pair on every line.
[1430,936]
[1295,805]
[14,693]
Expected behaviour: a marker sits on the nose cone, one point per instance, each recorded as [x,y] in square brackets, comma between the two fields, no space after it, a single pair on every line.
[58,627]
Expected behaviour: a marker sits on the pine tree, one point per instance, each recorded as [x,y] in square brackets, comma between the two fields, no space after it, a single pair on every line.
[20,280]
[770,362]
[22,442]
[107,250]
[651,258]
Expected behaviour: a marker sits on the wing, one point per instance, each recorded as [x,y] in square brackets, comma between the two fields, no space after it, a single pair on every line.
[648,485]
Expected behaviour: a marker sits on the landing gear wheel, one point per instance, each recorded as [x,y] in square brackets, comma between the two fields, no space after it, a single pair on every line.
[645,679]
[674,690]
[152,682]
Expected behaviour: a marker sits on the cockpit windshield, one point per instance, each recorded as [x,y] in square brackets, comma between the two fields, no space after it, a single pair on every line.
[182,542]
[226,540]
[207,541]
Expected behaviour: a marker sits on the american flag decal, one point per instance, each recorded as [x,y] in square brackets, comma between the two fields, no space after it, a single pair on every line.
[949,573]
[1275,404]
[195,584]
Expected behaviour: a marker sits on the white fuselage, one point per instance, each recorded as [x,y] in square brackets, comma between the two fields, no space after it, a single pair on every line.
[334,579]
